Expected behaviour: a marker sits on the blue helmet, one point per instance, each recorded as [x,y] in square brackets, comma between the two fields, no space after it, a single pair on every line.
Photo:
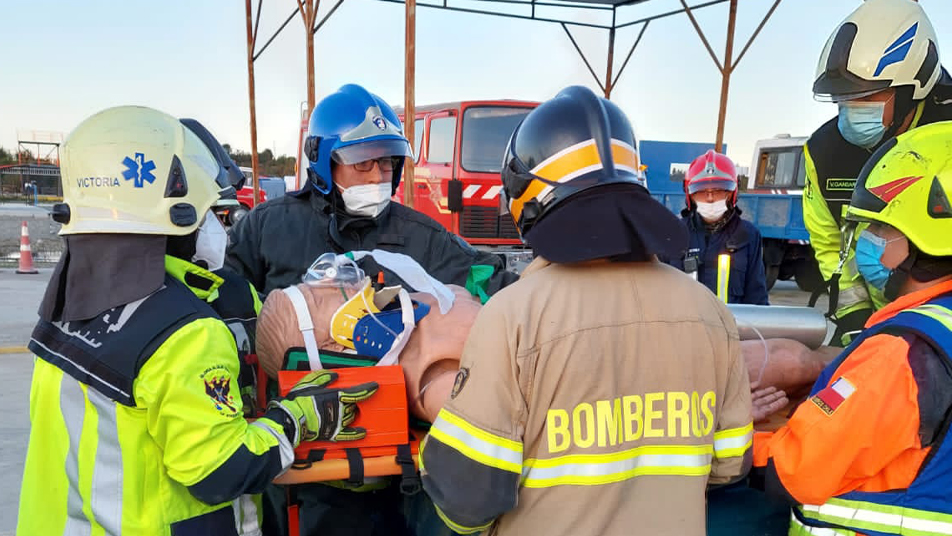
[350,126]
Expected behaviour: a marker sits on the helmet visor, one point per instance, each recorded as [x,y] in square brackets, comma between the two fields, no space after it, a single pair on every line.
[711,184]
[844,97]
[371,150]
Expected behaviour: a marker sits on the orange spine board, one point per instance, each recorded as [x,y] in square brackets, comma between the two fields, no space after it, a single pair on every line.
[384,415]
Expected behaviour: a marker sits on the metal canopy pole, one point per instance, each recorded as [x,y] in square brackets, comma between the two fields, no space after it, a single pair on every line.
[409,105]
[251,100]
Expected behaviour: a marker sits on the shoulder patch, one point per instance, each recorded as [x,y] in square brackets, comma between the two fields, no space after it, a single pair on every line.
[830,398]
[460,381]
[217,380]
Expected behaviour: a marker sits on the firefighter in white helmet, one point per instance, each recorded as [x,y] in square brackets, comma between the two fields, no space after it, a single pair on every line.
[136,418]
[881,67]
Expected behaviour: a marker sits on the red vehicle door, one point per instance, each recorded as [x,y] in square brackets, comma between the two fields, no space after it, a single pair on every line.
[435,167]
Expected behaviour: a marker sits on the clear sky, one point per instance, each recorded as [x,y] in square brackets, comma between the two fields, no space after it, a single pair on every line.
[63,61]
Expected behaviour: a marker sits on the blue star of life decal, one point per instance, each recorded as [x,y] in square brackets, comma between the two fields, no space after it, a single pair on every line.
[138,170]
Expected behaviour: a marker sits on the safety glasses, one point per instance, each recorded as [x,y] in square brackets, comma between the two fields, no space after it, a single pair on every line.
[386,163]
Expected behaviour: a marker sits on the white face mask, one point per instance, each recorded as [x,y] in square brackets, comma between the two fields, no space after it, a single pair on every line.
[367,199]
[711,212]
[211,242]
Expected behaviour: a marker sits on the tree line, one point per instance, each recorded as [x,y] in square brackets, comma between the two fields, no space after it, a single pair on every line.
[8,157]
[268,164]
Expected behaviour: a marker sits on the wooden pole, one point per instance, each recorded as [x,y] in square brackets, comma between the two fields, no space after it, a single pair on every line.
[251,103]
[309,18]
[611,59]
[409,106]
[726,76]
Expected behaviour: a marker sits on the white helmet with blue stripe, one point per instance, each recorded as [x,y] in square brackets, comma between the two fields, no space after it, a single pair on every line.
[882,44]
[349,126]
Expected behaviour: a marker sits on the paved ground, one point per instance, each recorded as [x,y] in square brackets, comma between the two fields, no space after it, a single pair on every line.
[19,298]
[44,242]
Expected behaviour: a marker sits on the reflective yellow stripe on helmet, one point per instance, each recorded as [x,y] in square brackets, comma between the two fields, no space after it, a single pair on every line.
[568,164]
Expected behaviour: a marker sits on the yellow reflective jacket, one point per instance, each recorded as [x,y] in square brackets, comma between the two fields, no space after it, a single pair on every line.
[832,168]
[136,420]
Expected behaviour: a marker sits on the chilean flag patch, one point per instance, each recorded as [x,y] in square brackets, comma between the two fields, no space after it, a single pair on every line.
[830,398]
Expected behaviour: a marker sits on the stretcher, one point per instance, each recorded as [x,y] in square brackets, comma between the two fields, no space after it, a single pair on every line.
[391,447]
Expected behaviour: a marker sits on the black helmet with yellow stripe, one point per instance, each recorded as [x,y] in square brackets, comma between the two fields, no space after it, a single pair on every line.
[574,185]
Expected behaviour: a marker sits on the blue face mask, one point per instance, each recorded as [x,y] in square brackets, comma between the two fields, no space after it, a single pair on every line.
[861,123]
[869,249]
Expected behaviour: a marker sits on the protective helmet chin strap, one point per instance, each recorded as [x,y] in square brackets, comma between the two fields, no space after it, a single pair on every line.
[903,105]
[900,275]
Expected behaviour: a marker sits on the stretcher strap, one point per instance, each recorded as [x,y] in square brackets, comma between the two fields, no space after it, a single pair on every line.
[410,483]
[305,325]
[356,463]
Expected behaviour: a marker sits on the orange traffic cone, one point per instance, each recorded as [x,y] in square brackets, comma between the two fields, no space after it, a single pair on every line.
[26,256]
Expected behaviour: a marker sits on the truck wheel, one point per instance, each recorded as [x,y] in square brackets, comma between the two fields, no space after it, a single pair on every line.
[772,273]
[807,274]
[240,212]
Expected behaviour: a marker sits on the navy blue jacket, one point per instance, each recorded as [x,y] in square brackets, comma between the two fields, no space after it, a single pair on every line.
[739,237]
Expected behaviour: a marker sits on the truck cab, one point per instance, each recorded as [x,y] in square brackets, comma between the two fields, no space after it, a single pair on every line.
[459,148]
[773,200]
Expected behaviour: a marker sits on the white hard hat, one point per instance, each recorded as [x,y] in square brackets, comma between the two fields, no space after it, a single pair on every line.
[882,44]
[135,170]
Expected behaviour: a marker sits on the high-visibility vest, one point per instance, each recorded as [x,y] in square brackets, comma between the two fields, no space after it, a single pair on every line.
[925,507]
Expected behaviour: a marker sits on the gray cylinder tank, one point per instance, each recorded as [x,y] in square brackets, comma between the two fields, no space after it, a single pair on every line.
[804,324]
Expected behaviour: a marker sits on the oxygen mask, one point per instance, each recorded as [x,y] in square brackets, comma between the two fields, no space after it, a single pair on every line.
[332,270]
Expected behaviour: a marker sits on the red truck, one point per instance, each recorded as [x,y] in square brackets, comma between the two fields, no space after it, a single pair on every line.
[459,148]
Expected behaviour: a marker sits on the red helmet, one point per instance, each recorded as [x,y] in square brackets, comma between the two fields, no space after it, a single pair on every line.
[711,171]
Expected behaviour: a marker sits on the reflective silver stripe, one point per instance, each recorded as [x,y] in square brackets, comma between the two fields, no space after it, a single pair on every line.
[936,312]
[73,409]
[246,516]
[91,375]
[733,445]
[797,528]
[904,521]
[852,295]
[284,446]
[613,470]
[477,444]
[106,497]
[855,514]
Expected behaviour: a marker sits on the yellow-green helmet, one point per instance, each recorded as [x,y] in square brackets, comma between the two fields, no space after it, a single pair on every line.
[135,170]
[906,184]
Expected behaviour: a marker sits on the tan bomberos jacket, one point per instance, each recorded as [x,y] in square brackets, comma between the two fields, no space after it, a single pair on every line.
[592,399]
